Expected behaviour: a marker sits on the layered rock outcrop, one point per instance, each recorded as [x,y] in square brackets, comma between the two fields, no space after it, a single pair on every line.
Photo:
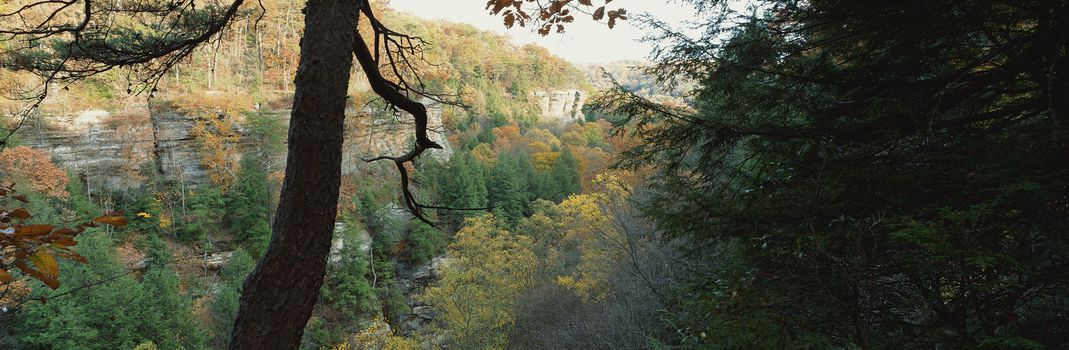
[562,106]
[108,149]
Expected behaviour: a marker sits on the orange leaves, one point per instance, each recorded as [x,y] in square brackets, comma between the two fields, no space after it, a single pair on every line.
[34,248]
[216,127]
[35,167]
[32,230]
[114,219]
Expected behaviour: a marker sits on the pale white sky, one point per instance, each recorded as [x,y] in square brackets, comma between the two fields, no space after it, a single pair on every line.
[584,41]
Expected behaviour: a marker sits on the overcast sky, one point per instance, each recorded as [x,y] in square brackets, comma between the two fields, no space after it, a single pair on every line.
[584,41]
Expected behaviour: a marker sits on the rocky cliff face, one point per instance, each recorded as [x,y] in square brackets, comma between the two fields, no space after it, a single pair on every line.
[562,106]
[107,149]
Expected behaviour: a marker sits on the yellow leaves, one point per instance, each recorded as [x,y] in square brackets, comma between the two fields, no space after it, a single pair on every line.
[589,227]
[543,161]
[165,221]
[215,126]
[377,336]
[488,268]
[218,136]
[484,155]
[45,262]
[144,215]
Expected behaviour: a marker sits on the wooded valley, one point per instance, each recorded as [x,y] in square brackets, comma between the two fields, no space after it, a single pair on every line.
[188,174]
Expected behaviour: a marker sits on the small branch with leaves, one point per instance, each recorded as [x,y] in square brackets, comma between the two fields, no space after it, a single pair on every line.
[32,249]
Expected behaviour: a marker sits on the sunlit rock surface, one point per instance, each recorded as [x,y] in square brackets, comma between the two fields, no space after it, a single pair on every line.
[111,149]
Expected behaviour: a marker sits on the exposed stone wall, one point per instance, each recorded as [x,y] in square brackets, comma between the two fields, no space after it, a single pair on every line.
[105,148]
[562,106]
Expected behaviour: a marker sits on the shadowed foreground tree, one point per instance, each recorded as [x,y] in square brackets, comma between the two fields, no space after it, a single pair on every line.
[868,176]
[62,42]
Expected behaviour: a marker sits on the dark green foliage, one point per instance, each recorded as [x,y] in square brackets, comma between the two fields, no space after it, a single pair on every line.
[459,183]
[269,131]
[224,306]
[565,176]
[867,175]
[394,305]
[119,314]
[508,188]
[79,202]
[136,202]
[347,296]
[204,215]
[424,243]
[157,254]
[246,206]
[347,288]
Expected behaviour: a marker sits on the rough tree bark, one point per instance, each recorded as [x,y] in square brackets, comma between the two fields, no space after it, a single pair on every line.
[280,294]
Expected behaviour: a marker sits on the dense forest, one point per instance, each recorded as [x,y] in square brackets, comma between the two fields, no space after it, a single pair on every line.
[784,174]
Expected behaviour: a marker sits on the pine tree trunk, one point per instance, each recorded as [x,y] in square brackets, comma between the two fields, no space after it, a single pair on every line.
[279,295]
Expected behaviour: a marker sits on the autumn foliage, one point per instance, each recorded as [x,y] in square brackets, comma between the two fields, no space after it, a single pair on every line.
[35,169]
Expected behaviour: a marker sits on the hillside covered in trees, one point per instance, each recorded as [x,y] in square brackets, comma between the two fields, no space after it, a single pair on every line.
[817,175]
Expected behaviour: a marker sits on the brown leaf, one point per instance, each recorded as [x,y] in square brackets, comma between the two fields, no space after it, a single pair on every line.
[66,231]
[5,276]
[45,262]
[70,255]
[586,2]
[64,241]
[112,219]
[556,6]
[510,19]
[599,13]
[20,213]
[49,281]
[32,230]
